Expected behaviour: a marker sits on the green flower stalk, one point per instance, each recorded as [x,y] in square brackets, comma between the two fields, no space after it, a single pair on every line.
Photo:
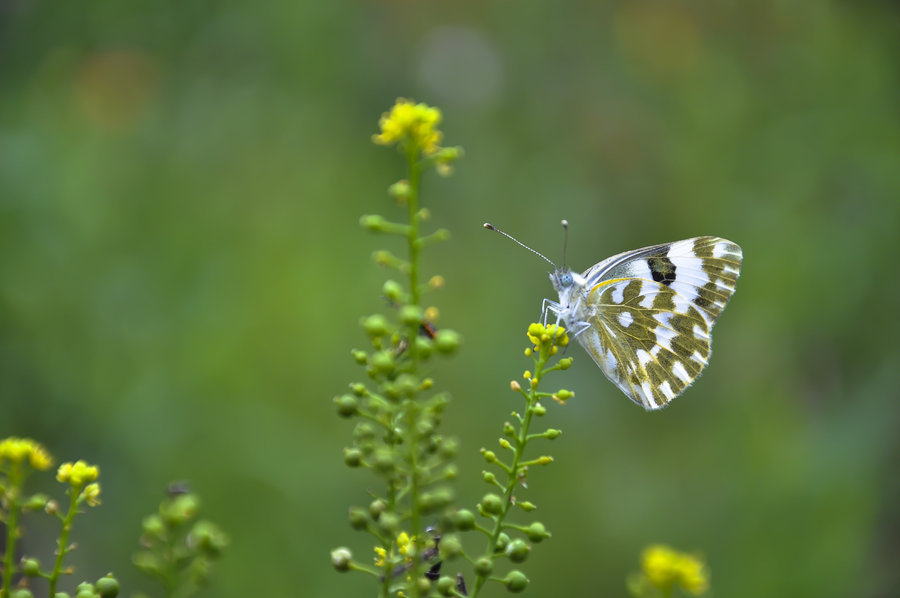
[18,457]
[496,506]
[398,409]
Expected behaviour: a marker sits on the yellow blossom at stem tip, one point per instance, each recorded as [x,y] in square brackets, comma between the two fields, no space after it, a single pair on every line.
[77,474]
[411,123]
[19,450]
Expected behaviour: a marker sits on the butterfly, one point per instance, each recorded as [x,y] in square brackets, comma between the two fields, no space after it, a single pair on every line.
[645,316]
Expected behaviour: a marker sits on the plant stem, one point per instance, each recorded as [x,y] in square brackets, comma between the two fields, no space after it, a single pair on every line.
[412,408]
[12,523]
[521,439]
[63,542]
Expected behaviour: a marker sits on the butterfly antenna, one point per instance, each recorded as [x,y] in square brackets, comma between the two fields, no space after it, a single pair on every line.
[565,224]
[490,226]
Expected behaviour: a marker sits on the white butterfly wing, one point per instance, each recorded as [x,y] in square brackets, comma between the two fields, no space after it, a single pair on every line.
[650,313]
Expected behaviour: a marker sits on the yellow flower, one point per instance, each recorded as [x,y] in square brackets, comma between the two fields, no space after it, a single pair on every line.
[551,336]
[77,474]
[91,494]
[665,568]
[380,555]
[411,123]
[18,450]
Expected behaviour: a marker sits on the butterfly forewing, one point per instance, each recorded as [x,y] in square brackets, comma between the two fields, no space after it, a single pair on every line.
[651,312]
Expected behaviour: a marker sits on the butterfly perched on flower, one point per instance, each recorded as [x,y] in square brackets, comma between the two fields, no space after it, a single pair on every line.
[645,316]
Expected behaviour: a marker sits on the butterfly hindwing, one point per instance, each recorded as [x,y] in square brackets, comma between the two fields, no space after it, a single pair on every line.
[650,313]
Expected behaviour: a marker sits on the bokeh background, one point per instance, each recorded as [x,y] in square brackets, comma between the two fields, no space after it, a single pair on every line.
[182,271]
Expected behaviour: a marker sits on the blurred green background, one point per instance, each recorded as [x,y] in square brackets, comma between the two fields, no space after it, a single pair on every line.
[182,271]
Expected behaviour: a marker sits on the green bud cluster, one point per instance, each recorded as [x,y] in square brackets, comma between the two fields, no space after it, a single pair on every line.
[398,413]
[509,540]
[178,549]
[396,408]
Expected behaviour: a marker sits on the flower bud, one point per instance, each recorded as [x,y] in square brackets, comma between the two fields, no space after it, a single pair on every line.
[447,341]
[393,291]
[347,405]
[411,315]
[372,222]
[400,191]
[107,587]
[492,504]
[484,566]
[358,518]
[464,520]
[341,558]
[376,325]
[518,550]
[31,567]
[515,581]
[445,586]
[537,532]
[502,542]
[450,547]
[352,457]
[382,362]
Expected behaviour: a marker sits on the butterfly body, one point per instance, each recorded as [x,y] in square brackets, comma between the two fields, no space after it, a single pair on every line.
[645,316]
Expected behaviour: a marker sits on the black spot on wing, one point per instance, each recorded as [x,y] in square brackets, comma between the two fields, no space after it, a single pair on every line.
[662,269]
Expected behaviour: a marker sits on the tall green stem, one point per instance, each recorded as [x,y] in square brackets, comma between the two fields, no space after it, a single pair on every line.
[12,524]
[62,548]
[412,407]
[513,476]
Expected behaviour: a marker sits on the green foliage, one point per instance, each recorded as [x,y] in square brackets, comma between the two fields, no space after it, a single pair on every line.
[399,414]
[179,554]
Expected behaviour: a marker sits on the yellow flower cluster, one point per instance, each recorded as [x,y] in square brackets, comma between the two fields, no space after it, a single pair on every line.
[551,336]
[665,568]
[77,474]
[412,123]
[406,546]
[19,450]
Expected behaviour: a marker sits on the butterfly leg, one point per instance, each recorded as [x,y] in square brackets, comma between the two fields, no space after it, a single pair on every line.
[547,306]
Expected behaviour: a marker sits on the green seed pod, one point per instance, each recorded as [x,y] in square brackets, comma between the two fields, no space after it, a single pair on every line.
[376,325]
[449,448]
[383,460]
[450,547]
[492,504]
[389,522]
[424,347]
[382,362]
[537,532]
[565,363]
[447,341]
[464,519]
[359,356]
[31,567]
[376,508]
[515,581]
[484,566]
[359,389]
[21,593]
[107,587]
[446,585]
[153,526]
[539,410]
[352,457]
[393,291]
[347,405]
[341,558]
[518,550]
[424,585]
[358,518]
[364,431]
[407,384]
[437,499]
[502,541]
[36,502]
[411,315]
